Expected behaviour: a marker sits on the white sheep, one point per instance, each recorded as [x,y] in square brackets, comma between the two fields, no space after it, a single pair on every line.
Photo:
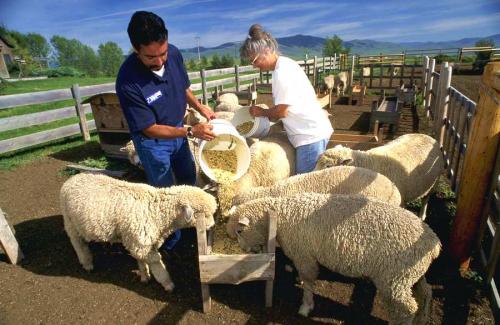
[355,236]
[335,180]
[329,81]
[228,116]
[341,82]
[366,71]
[132,155]
[226,107]
[193,117]
[412,161]
[271,159]
[230,98]
[100,208]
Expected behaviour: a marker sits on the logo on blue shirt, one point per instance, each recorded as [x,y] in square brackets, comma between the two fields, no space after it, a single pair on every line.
[154,97]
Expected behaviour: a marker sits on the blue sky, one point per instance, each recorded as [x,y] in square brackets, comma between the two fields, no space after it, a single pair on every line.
[215,22]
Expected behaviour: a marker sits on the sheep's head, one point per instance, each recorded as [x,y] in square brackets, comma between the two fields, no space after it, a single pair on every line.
[336,156]
[248,227]
[194,203]
[133,157]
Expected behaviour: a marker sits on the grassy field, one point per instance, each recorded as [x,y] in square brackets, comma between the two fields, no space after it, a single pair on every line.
[20,87]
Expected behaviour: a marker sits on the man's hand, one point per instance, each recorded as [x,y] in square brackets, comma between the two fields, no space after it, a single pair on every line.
[203,131]
[256,111]
[206,112]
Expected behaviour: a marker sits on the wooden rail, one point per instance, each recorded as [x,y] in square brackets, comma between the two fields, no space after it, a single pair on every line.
[468,134]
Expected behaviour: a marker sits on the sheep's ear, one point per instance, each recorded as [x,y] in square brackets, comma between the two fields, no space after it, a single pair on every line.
[346,162]
[244,221]
[232,210]
[123,149]
[211,188]
[187,212]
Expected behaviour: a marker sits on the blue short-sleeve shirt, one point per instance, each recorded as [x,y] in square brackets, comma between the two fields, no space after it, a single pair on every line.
[147,98]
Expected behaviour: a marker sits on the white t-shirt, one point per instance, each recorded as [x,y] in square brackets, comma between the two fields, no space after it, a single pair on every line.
[305,122]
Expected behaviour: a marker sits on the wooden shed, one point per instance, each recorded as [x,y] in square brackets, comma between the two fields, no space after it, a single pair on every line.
[110,123]
[6,56]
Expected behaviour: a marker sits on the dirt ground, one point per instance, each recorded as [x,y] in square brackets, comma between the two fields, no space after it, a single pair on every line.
[50,287]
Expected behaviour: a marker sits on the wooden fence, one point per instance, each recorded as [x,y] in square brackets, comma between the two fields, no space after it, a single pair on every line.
[455,123]
[204,82]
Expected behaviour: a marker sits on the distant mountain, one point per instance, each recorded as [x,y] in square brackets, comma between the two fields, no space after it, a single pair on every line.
[297,46]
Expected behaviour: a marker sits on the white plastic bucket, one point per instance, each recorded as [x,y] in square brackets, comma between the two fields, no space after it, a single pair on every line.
[227,138]
[261,124]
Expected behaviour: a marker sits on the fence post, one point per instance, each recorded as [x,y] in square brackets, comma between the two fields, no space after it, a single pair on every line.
[425,72]
[261,77]
[351,76]
[442,107]
[237,77]
[204,86]
[478,167]
[315,71]
[80,112]
[430,81]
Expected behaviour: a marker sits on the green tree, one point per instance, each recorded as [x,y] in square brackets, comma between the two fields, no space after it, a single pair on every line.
[72,53]
[110,58]
[215,62]
[204,62]
[482,58]
[227,61]
[191,65]
[333,45]
[38,46]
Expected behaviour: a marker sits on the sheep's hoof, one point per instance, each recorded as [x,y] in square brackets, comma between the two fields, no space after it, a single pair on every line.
[169,287]
[88,267]
[304,310]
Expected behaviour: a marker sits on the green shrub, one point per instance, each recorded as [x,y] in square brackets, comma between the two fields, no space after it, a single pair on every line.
[64,72]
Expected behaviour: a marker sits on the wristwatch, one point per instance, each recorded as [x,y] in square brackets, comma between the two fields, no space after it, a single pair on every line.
[189,132]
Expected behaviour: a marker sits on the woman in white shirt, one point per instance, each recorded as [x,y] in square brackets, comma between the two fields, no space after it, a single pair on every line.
[294,98]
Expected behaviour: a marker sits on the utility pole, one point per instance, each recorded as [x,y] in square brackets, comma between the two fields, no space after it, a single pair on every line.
[198,44]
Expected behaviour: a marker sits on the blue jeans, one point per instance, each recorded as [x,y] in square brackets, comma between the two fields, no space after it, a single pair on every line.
[164,159]
[306,156]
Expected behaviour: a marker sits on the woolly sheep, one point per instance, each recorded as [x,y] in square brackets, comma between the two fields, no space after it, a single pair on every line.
[335,180]
[329,81]
[341,82]
[271,159]
[192,117]
[100,208]
[355,236]
[230,98]
[228,116]
[412,161]
[226,107]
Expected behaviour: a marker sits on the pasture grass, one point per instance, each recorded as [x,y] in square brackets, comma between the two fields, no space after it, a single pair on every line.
[28,86]
[11,160]
[42,127]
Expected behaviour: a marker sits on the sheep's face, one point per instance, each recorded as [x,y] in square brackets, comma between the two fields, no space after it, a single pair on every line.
[195,204]
[250,232]
[336,156]
[133,157]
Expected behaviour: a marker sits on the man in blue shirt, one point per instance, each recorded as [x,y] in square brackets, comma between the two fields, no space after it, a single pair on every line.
[153,88]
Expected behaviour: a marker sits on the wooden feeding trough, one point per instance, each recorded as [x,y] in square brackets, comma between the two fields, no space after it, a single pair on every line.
[358,93]
[110,123]
[235,268]
[388,112]
[407,94]
[354,141]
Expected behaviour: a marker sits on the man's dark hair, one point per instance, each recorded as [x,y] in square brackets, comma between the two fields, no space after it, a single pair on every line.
[144,28]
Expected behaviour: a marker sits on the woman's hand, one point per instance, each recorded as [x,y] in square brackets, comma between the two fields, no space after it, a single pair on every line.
[256,111]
